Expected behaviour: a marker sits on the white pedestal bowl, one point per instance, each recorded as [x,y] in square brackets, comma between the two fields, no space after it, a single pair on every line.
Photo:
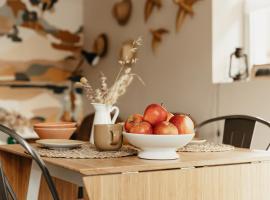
[158,147]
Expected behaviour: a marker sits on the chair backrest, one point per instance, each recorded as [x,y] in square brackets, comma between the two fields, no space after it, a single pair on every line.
[238,129]
[35,158]
[84,130]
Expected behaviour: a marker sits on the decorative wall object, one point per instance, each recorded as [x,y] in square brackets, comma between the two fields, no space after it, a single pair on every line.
[149,6]
[126,52]
[184,9]
[122,11]
[238,69]
[101,45]
[40,47]
[40,39]
[92,58]
[157,35]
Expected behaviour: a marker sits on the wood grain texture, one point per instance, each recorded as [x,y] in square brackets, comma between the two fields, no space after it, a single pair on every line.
[17,169]
[232,182]
[223,175]
[66,190]
[131,164]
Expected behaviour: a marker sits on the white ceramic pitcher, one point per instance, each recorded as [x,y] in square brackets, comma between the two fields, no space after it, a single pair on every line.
[103,116]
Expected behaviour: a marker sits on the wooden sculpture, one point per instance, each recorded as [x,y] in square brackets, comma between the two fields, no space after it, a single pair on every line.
[125,52]
[157,37]
[122,11]
[149,6]
[100,46]
[184,9]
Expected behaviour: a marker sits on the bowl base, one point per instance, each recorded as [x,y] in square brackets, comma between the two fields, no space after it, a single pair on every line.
[158,155]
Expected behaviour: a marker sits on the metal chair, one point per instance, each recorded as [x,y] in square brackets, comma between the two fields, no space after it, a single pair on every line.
[4,185]
[6,191]
[238,129]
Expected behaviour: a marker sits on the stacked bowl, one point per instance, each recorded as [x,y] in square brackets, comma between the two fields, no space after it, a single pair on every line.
[55,130]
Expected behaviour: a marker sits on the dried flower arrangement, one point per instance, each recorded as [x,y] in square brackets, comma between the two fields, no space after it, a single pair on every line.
[110,95]
[13,120]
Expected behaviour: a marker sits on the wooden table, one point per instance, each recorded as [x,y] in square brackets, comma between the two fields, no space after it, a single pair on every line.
[239,174]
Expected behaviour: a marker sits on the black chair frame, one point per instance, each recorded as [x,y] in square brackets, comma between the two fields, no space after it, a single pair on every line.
[232,120]
[6,190]
[35,158]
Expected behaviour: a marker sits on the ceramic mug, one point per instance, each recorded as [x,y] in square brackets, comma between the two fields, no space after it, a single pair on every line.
[108,137]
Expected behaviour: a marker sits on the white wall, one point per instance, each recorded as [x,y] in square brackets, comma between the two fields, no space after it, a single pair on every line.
[228,33]
[179,75]
[258,32]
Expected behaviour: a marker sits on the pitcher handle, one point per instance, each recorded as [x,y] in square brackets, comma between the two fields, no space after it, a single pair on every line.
[116,113]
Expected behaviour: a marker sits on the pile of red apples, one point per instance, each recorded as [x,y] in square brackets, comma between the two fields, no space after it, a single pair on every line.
[157,120]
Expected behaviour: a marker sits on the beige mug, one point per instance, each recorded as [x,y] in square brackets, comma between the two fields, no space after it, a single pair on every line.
[108,137]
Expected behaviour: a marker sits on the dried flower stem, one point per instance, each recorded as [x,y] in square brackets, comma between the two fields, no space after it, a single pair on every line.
[123,80]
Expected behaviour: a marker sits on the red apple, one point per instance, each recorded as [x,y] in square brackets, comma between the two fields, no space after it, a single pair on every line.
[132,119]
[141,128]
[154,114]
[165,128]
[183,123]
[169,116]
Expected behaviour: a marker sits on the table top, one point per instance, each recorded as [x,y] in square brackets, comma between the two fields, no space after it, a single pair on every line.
[135,164]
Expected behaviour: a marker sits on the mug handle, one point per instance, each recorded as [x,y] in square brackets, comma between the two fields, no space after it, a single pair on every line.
[116,109]
[115,138]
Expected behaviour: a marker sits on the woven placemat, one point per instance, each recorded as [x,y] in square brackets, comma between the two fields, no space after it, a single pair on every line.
[206,147]
[85,151]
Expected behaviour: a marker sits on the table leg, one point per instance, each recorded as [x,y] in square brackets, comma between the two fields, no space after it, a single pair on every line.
[34,182]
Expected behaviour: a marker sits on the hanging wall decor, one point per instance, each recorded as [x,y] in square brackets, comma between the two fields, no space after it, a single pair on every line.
[184,9]
[101,45]
[40,46]
[157,35]
[40,40]
[149,6]
[122,11]
[126,52]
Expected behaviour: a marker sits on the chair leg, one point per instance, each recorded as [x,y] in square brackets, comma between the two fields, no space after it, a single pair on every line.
[268,147]
[3,186]
[80,193]
[10,190]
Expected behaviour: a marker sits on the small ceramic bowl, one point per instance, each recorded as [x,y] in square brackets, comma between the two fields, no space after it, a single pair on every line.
[158,147]
[56,125]
[54,133]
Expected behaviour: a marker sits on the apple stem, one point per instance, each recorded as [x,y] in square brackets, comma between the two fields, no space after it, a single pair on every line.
[162,104]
